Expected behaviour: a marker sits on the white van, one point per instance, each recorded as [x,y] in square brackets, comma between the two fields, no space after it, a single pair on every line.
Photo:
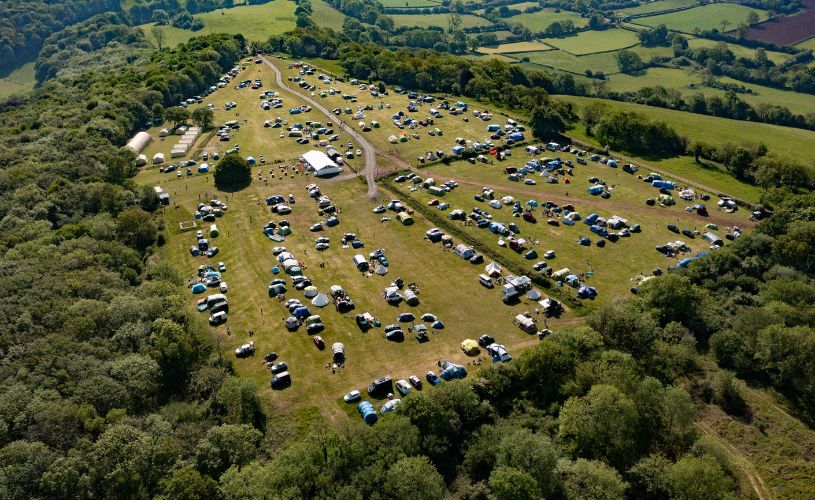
[485,280]
[217,318]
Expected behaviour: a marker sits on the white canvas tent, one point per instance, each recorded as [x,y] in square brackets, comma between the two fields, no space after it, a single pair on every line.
[493,269]
[320,300]
[310,291]
[381,270]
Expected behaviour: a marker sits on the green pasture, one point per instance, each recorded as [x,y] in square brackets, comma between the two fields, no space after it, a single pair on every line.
[703,18]
[409,3]
[656,6]
[738,50]
[514,47]
[538,21]
[18,81]
[588,42]
[559,59]
[428,20]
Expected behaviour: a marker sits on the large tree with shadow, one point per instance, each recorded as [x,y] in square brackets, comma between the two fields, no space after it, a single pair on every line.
[232,172]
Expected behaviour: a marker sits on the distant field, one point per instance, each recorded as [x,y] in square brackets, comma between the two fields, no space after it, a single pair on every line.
[604,62]
[657,6]
[807,44]
[426,21]
[739,50]
[484,57]
[255,22]
[538,21]
[646,53]
[409,3]
[787,30]
[502,34]
[588,42]
[18,81]
[793,142]
[506,48]
[704,18]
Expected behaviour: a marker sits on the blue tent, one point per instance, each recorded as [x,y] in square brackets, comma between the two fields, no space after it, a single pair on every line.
[438,325]
[595,190]
[452,371]
[202,169]
[572,279]
[568,221]
[532,203]
[457,150]
[367,412]
[590,219]
[198,288]
[586,292]
[250,160]
[598,230]
[662,184]
[516,136]
[532,254]
[684,262]
[301,312]
[493,127]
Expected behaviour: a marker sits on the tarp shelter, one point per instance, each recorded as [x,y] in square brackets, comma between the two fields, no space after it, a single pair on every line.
[493,269]
[199,288]
[321,300]
[404,218]
[470,347]
[367,412]
[310,291]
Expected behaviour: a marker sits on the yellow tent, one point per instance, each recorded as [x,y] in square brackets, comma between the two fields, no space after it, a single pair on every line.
[470,347]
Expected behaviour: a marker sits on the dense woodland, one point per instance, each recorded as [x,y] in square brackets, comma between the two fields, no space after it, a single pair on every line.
[110,387]
[25,25]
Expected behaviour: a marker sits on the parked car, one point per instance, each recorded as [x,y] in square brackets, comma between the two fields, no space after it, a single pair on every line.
[281,380]
[280,367]
[381,386]
[352,396]
[221,267]
[486,340]
[319,342]
[415,382]
[432,378]
[245,350]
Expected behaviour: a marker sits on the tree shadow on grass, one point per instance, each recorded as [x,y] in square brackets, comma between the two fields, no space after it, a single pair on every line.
[233,187]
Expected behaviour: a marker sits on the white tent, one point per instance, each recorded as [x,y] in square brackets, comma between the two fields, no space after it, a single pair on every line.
[381,270]
[158,158]
[139,142]
[310,291]
[163,132]
[533,294]
[493,269]
[320,300]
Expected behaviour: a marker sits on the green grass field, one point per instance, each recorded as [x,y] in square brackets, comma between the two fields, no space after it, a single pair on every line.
[657,6]
[559,59]
[646,53]
[19,81]
[588,42]
[502,34]
[255,22]
[738,50]
[538,21]
[704,18]
[515,47]
[807,44]
[409,3]
[426,21]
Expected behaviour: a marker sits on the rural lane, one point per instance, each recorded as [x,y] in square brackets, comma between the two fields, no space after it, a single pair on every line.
[367,147]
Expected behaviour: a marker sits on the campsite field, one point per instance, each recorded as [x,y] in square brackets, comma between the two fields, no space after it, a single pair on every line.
[657,6]
[255,22]
[588,42]
[428,20]
[448,285]
[18,81]
[538,21]
[705,17]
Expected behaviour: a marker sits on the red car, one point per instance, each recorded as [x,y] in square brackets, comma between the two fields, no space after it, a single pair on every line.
[319,342]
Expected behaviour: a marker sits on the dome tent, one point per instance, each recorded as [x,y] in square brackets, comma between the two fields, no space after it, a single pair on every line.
[310,291]
[320,300]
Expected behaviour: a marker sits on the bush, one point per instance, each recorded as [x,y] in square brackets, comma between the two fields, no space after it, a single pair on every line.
[233,172]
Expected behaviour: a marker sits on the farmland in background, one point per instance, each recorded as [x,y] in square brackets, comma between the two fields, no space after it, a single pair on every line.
[658,6]
[538,21]
[787,30]
[703,18]
[428,20]
[18,81]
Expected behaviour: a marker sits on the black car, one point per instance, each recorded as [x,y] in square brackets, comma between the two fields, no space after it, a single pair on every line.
[381,386]
[270,357]
[486,340]
[672,228]
[688,233]
[477,259]
[280,367]
[281,380]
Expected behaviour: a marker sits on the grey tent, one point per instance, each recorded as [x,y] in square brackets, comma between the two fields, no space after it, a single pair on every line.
[320,300]
[411,298]
[292,323]
[381,270]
